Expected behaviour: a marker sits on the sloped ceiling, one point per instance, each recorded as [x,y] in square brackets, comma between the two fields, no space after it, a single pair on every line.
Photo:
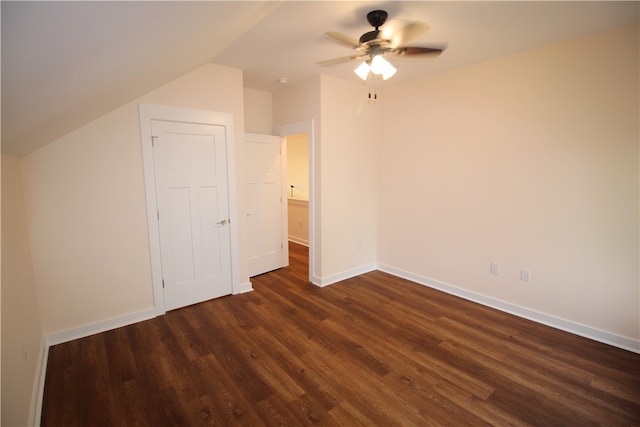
[67,63]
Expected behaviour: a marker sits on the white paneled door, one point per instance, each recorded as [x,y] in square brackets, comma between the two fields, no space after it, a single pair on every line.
[193,211]
[266,204]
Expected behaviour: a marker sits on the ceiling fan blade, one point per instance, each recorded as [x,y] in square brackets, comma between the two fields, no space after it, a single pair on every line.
[343,39]
[422,52]
[340,59]
[409,33]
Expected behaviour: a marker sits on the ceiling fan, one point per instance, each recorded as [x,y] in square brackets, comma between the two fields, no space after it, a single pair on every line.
[374,45]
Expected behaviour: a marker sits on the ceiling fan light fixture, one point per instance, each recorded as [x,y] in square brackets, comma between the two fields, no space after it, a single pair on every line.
[388,72]
[363,70]
[379,64]
[389,41]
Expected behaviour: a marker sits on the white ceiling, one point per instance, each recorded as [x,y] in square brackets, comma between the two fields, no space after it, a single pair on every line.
[67,63]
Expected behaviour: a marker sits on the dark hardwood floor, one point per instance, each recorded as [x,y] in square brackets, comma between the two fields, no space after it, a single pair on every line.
[374,350]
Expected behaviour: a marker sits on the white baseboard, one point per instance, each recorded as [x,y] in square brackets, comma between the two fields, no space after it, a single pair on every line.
[38,390]
[299,241]
[315,280]
[97,327]
[552,321]
[70,335]
[526,313]
[326,281]
[545,319]
[244,287]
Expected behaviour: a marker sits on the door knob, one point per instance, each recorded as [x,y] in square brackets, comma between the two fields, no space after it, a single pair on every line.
[223,222]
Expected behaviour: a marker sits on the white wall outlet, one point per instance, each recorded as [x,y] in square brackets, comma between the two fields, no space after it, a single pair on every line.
[525,275]
[494,268]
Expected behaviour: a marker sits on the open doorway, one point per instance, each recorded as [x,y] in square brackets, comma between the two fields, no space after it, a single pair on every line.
[297,186]
[300,185]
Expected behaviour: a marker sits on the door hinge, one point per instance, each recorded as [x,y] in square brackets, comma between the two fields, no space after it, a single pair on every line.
[158,214]
[153,140]
[163,283]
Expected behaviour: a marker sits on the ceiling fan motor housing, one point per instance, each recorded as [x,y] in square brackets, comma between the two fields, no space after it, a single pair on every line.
[376,18]
[369,37]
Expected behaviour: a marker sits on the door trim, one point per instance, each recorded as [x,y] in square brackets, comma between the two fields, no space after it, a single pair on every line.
[315,245]
[149,112]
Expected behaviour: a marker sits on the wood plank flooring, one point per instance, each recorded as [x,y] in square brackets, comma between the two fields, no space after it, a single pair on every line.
[374,350]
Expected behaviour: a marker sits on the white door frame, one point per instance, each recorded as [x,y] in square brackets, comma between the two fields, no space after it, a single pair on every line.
[149,112]
[307,127]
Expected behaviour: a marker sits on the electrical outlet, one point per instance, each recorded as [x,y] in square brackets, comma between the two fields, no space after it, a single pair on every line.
[525,275]
[494,268]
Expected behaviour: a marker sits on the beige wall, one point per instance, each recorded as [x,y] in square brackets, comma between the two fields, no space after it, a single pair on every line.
[298,221]
[258,111]
[530,160]
[86,206]
[298,166]
[347,131]
[351,131]
[20,309]
[299,103]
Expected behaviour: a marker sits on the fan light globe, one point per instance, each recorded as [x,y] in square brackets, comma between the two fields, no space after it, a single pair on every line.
[389,71]
[378,64]
[363,71]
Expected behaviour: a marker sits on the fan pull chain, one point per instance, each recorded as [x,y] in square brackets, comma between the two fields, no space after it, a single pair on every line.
[372,100]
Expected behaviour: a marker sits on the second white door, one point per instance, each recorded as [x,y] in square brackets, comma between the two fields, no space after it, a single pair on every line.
[266,203]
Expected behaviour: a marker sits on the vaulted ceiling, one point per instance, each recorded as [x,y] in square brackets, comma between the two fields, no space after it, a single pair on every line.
[67,63]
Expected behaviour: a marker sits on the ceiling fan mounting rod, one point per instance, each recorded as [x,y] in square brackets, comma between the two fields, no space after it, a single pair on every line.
[376,18]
